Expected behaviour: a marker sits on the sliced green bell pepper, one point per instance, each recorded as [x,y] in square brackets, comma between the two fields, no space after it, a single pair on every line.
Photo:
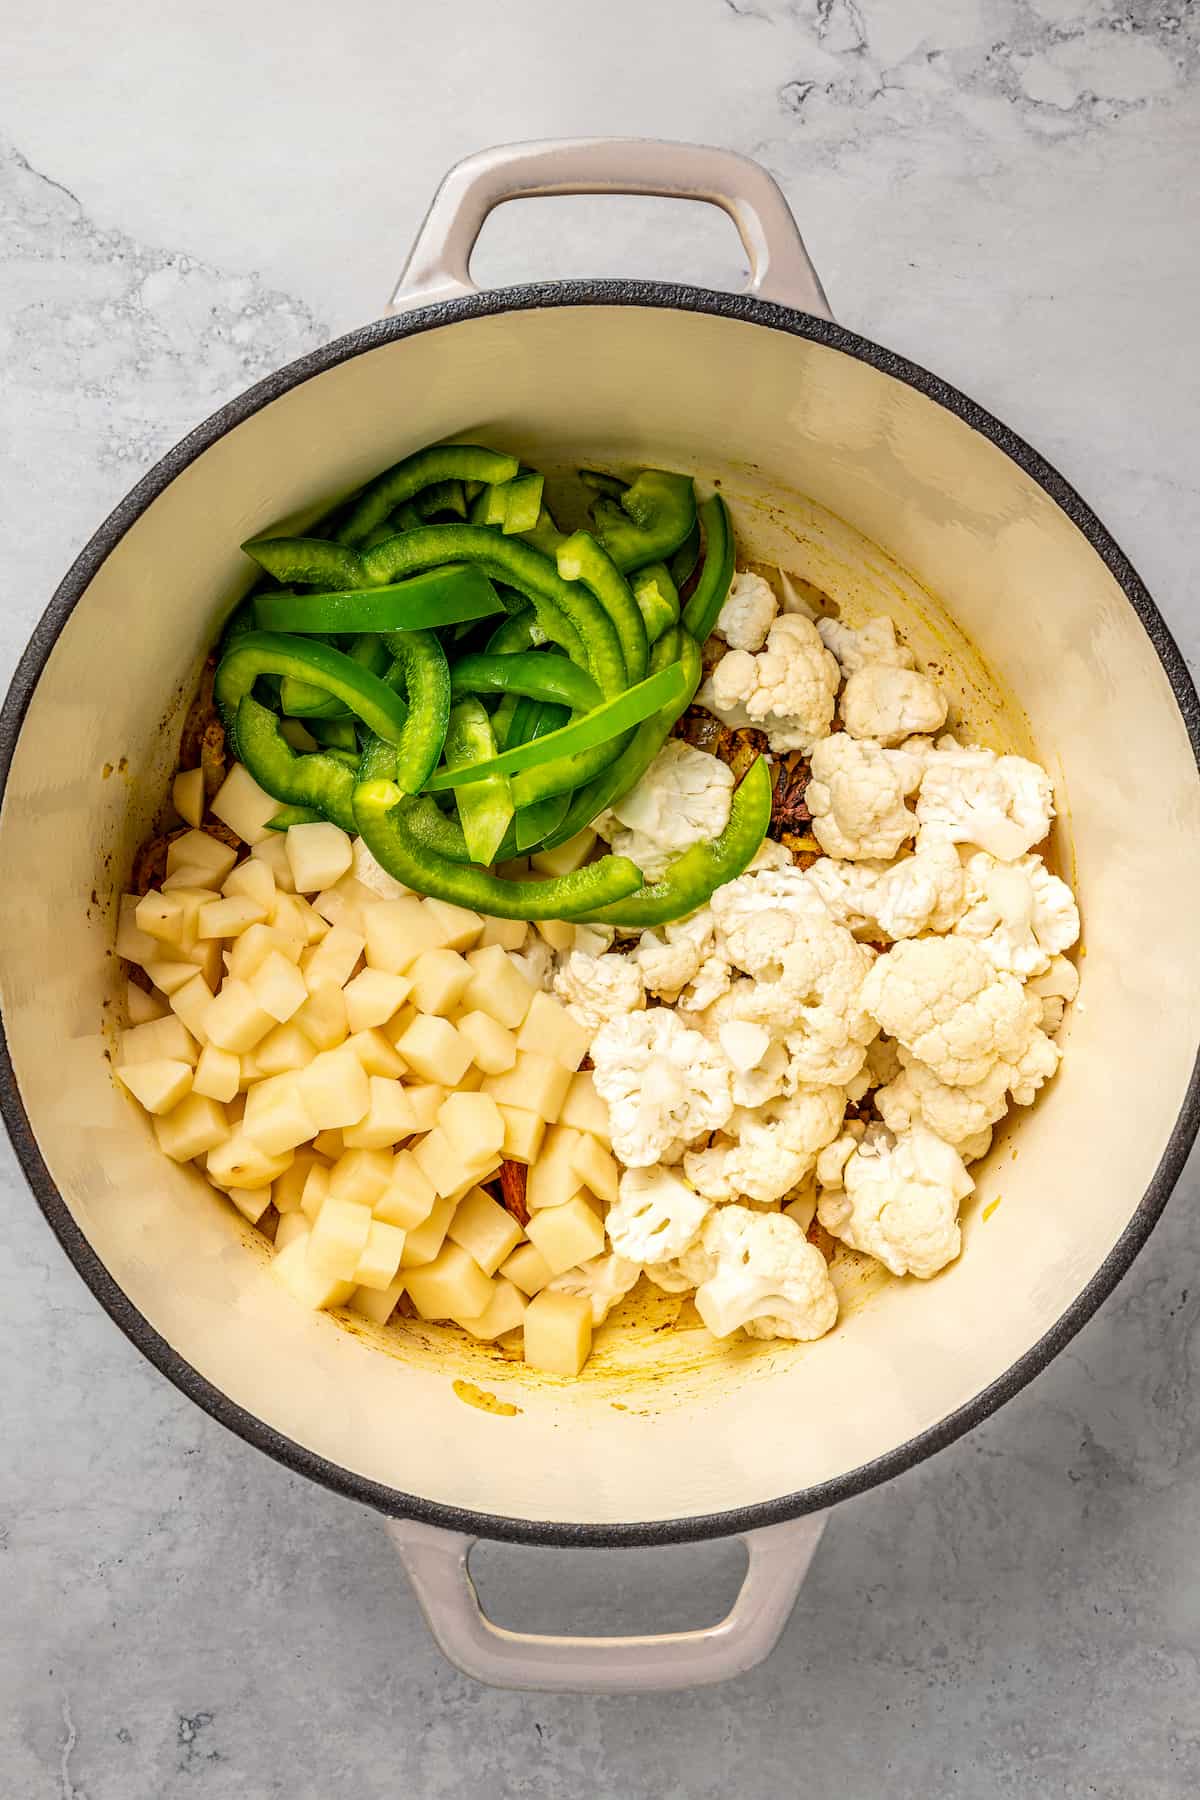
[440,497]
[270,653]
[581,559]
[485,808]
[441,462]
[313,562]
[442,596]
[420,668]
[686,557]
[535,673]
[314,780]
[544,535]
[657,599]
[650,521]
[600,483]
[712,590]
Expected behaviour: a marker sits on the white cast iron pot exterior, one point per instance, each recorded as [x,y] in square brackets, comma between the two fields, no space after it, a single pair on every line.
[846,465]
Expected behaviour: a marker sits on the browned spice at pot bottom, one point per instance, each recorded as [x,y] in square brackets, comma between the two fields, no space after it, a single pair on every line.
[513,1177]
[201,745]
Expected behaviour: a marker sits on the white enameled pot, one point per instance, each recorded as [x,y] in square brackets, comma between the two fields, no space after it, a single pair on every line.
[868,477]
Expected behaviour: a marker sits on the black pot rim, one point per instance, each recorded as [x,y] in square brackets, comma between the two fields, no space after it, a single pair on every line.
[117,1304]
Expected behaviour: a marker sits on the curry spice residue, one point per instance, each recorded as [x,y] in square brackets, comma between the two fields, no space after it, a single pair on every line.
[470,1395]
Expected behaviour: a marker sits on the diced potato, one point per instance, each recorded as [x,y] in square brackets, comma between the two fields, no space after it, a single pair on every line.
[566,1235]
[565,857]
[251,880]
[400,1024]
[218,1073]
[423,1242]
[193,1003]
[376,1054]
[295,916]
[135,945]
[472,1081]
[241,804]
[504,1312]
[236,1019]
[315,1191]
[558,1332]
[318,854]
[322,1018]
[361,1176]
[240,1162]
[493,1049]
[373,997]
[336,1089]
[596,1167]
[460,926]
[278,1116]
[165,1038]
[279,988]
[409,1197]
[339,1237]
[272,852]
[193,1128]
[550,1029]
[141,1007]
[284,1049]
[439,980]
[158,1086]
[188,879]
[484,1229]
[584,1109]
[249,1075]
[290,1227]
[199,850]
[433,1049]
[473,1123]
[426,1098]
[523,1134]
[329,1144]
[397,931]
[347,903]
[374,1305]
[388,1118]
[252,1203]
[229,918]
[536,1083]
[528,1269]
[160,916]
[497,986]
[370,874]
[508,933]
[557,933]
[448,1165]
[552,1179]
[591,941]
[169,977]
[287,1190]
[206,959]
[452,1285]
[379,1263]
[187,797]
[334,959]
[245,957]
[305,1283]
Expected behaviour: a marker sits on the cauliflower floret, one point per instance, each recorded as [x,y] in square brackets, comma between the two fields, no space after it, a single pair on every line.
[957,1113]
[776,1146]
[598,988]
[899,1201]
[665,1086]
[604,1280]
[655,1217]
[1019,913]
[1056,988]
[889,704]
[874,642]
[976,1146]
[770,855]
[748,612]
[1003,804]
[924,892]
[686,964]
[683,799]
[883,1061]
[758,914]
[856,798]
[759,1064]
[950,1007]
[536,963]
[787,690]
[766,1278]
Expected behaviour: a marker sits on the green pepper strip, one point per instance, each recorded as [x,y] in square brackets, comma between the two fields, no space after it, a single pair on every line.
[582,559]
[544,535]
[651,520]
[335,734]
[520,631]
[441,496]
[533,823]
[419,667]
[567,613]
[485,808]
[313,779]
[287,816]
[600,483]
[686,557]
[595,728]
[503,717]
[693,877]
[446,596]
[384,818]
[541,676]
[269,653]
[441,462]
[703,609]
[378,759]
[314,562]
[657,598]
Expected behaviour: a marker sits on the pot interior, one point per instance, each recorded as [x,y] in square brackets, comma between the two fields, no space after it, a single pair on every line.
[847,477]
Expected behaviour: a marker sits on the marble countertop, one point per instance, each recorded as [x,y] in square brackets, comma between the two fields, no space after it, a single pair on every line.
[189,196]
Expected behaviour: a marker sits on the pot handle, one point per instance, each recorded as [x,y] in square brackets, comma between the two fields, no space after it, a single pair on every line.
[438,266]
[436,1564]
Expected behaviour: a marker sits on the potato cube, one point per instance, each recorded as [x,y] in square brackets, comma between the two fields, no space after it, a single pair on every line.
[169,977]
[322,1018]
[217,1073]
[504,1312]
[388,1118]
[305,1283]
[584,1109]
[565,858]
[433,1049]
[272,853]
[523,1134]
[283,1050]
[484,1229]
[334,960]
[252,1203]
[165,1038]
[508,933]
[373,997]
[192,881]
[397,931]
[241,804]
[229,918]
[409,1197]
[552,1179]
[550,1029]
[425,1098]
[451,1285]
[379,1263]
[206,960]
[288,1228]
[596,1167]
[193,1003]
[370,874]
[158,1086]
[558,1332]
[187,797]
[423,1242]
[277,1114]
[528,1269]
[135,945]
[336,1089]
[473,1123]
[161,917]
[376,1054]
[297,918]
[374,1305]
[439,979]
[251,880]
[459,925]
[141,1007]
[249,952]
[193,1128]
[315,1191]
[449,1166]
[557,933]
[497,986]
[287,1190]
[319,855]
[493,1049]
[361,1176]
[236,1019]
[240,1162]
[566,1235]
[329,1144]
[338,1238]
[279,988]
[200,850]
[536,1083]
